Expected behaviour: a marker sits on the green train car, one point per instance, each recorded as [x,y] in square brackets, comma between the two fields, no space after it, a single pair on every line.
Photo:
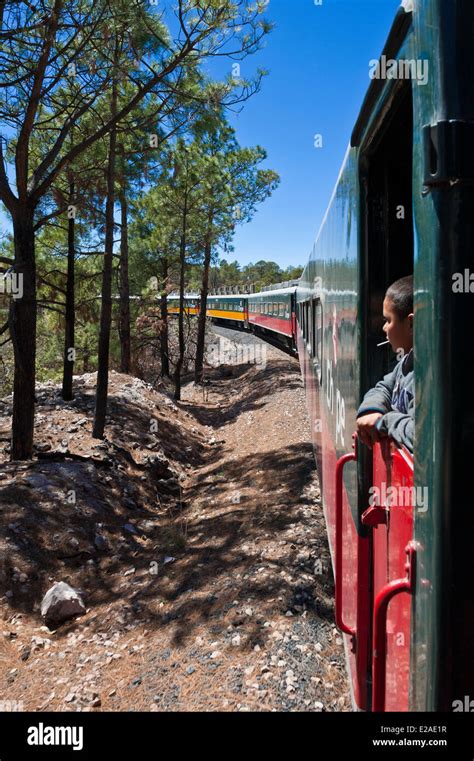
[403,203]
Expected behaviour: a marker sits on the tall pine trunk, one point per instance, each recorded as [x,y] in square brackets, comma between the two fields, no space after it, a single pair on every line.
[22,319]
[164,334]
[181,343]
[124,317]
[201,334]
[68,362]
[106,302]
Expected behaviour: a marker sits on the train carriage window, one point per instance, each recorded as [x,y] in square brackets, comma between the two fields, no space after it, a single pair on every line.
[306,322]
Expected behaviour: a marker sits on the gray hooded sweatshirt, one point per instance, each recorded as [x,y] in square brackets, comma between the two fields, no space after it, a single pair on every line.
[394,397]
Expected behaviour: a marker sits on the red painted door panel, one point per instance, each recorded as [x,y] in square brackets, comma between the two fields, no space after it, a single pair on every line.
[393,482]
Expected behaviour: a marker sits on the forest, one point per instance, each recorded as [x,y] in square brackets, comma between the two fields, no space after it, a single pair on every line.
[121,180]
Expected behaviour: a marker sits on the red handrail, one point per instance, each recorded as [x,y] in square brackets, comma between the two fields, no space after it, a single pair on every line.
[343,627]
[382,600]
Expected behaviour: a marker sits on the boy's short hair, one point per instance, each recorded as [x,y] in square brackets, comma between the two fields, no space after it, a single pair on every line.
[400,294]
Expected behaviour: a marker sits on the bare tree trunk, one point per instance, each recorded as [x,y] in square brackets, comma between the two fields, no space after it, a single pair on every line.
[124,318]
[201,333]
[68,363]
[106,302]
[181,342]
[164,335]
[22,320]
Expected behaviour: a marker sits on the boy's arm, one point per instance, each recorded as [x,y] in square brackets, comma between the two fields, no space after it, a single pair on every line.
[379,398]
[399,426]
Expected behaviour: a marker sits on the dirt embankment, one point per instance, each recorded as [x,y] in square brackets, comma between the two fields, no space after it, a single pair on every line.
[195,534]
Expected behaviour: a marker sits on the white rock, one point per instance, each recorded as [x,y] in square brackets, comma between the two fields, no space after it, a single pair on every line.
[60,603]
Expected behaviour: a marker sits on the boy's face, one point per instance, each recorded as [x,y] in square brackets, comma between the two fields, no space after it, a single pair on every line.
[399,332]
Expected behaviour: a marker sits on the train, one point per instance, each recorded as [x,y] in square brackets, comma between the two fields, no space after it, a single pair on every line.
[271,315]
[402,204]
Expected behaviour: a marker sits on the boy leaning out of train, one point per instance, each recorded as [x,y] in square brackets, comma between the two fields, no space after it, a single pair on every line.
[388,409]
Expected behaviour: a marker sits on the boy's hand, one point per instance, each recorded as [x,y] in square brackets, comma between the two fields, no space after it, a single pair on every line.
[366,429]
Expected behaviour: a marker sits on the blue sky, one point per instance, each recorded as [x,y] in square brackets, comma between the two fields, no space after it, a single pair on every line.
[318,61]
[318,57]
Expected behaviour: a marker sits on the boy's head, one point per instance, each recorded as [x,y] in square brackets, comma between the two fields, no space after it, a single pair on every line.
[398,314]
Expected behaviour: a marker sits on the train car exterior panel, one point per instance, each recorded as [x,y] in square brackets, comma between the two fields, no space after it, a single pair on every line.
[273,310]
[393,475]
[224,315]
[356,551]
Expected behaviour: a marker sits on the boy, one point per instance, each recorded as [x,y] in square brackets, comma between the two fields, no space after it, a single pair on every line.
[388,409]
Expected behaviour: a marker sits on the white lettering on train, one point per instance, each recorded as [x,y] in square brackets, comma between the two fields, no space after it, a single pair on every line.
[340,404]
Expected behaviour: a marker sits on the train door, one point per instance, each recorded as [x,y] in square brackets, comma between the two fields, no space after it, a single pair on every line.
[386,474]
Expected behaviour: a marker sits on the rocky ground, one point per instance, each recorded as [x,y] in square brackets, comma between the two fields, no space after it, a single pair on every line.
[195,535]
